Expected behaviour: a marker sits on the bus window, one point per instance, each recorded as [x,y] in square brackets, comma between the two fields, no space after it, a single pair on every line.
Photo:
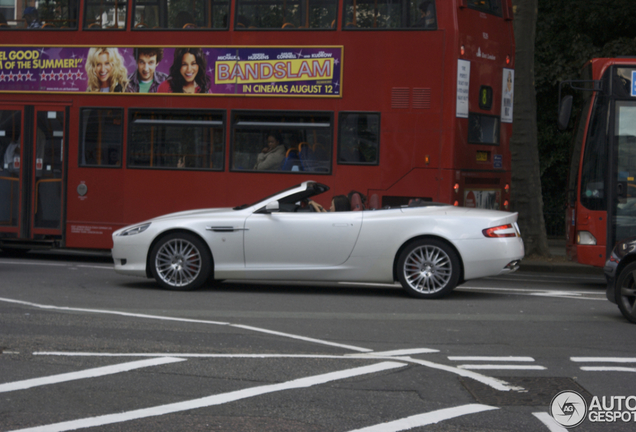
[101,137]
[61,14]
[10,139]
[594,164]
[390,14]
[488,6]
[175,139]
[285,14]
[181,15]
[287,143]
[625,136]
[483,129]
[359,138]
[105,14]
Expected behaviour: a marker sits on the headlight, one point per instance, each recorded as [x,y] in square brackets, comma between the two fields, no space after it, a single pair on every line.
[134,230]
[585,238]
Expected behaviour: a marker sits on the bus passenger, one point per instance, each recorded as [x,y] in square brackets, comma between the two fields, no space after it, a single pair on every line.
[106,71]
[339,203]
[187,73]
[272,156]
[31,18]
[146,78]
[184,20]
[427,15]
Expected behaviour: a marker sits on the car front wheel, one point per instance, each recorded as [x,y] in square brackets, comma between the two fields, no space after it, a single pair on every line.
[181,262]
[428,269]
[626,292]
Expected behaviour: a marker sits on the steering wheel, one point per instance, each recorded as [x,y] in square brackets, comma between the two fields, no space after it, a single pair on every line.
[312,209]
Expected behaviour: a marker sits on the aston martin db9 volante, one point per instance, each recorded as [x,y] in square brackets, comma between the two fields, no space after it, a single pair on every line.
[428,247]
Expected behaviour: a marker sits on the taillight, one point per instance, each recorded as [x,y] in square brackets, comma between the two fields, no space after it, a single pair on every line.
[500,231]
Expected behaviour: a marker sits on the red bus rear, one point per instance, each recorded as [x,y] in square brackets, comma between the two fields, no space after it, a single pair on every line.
[409,99]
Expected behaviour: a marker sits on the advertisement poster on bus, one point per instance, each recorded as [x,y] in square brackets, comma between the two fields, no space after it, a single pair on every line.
[482,198]
[463,85]
[227,71]
[507,95]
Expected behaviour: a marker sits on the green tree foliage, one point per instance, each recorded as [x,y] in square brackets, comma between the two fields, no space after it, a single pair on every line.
[569,33]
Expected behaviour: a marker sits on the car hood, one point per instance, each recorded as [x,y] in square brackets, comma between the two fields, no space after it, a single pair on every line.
[193,213]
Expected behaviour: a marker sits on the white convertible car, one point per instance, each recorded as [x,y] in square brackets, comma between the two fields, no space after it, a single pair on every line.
[429,248]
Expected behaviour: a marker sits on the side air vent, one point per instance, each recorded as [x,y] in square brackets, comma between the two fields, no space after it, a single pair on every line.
[400,97]
[422,98]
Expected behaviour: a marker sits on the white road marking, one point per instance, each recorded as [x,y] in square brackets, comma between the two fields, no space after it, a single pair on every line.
[495,383]
[488,358]
[492,382]
[500,366]
[307,339]
[540,292]
[213,400]
[489,381]
[550,278]
[404,352]
[603,359]
[551,423]
[197,355]
[188,320]
[88,373]
[427,418]
[607,369]
[34,263]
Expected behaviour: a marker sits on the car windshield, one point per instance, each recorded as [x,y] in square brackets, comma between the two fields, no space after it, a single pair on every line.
[313,188]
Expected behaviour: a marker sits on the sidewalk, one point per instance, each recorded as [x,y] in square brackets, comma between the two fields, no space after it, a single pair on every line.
[558,263]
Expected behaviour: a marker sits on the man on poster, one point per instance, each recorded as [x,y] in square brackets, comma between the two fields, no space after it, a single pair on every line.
[146,78]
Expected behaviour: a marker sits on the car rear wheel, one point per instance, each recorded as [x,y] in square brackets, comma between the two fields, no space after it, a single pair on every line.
[428,269]
[181,262]
[626,292]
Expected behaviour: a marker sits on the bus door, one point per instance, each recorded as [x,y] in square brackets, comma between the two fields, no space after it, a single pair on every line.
[624,175]
[32,139]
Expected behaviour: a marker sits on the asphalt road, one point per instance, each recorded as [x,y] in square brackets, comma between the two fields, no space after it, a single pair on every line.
[83,347]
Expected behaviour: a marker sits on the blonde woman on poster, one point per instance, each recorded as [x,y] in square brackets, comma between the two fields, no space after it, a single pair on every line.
[106,71]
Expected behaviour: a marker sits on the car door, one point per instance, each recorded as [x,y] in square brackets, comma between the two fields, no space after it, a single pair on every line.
[300,240]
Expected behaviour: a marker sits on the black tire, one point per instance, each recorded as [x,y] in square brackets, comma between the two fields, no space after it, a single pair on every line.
[428,268]
[625,292]
[180,262]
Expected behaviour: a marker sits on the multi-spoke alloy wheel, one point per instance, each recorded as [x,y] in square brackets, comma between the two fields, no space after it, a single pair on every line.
[180,262]
[626,292]
[428,268]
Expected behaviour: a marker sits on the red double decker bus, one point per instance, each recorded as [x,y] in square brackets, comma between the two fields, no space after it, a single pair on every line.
[601,207]
[112,114]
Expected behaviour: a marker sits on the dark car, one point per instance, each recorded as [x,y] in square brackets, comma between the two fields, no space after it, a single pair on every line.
[620,270]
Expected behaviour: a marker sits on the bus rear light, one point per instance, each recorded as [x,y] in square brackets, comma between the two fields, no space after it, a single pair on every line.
[507,188]
[506,204]
[456,203]
[500,231]
[456,188]
[462,50]
[585,238]
[507,59]
[427,159]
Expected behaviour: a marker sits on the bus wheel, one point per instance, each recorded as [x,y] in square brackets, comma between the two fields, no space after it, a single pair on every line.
[181,262]
[626,292]
[428,269]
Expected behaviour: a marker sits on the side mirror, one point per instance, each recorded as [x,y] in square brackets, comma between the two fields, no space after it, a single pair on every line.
[565,111]
[272,207]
